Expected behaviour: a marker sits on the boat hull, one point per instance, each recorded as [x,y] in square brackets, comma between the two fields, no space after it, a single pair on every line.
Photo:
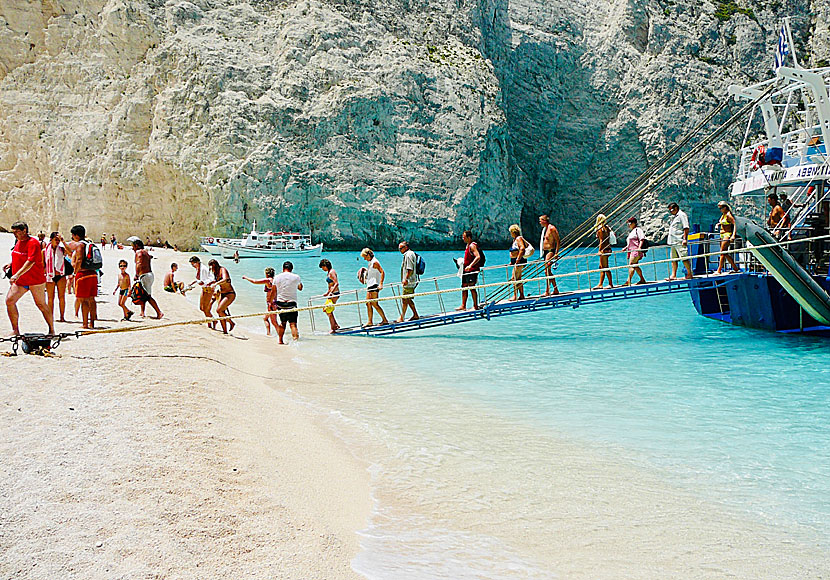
[228,251]
[756,300]
[212,249]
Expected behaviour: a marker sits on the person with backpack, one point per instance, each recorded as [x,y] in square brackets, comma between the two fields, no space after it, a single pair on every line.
[409,279]
[86,261]
[144,274]
[26,274]
[473,262]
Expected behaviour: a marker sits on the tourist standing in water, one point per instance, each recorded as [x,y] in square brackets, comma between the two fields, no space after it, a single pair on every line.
[223,287]
[678,241]
[603,233]
[332,293]
[374,284]
[288,284]
[517,260]
[549,248]
[144,274]
[409,280]
[27,275]
[270,298]
[727,236]
[54,259]
[634,250]
[473,261]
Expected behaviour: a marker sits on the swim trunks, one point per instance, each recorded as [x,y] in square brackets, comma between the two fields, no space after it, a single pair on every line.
[288,317]
[147,283]
[469,279]
[86,284]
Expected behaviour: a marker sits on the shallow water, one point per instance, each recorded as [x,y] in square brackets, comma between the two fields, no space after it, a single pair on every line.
[462,423]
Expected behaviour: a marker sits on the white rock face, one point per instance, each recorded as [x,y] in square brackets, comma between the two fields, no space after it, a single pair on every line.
[364,121]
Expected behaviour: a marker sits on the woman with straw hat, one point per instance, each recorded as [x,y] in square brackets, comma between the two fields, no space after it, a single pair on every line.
[603,233]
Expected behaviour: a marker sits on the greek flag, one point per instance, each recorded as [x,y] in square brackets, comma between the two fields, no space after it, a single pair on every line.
[782,50]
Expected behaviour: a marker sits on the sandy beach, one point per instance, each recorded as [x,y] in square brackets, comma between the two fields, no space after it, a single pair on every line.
[170,453]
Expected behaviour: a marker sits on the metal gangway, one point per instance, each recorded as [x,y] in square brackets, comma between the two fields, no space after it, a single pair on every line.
[576,275]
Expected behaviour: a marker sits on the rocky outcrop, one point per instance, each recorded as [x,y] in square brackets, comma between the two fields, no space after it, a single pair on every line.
[360,121]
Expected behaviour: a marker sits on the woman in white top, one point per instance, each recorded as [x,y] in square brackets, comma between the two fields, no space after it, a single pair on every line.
[204,278]
[54,259]
[634,247]
[374,284]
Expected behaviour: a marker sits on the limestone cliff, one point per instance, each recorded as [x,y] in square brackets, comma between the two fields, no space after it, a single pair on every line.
[361,121]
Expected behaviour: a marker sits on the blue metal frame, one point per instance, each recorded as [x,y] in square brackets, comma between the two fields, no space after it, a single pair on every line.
[572,299]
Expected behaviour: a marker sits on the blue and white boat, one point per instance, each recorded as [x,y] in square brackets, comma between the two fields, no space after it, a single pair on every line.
[783,288]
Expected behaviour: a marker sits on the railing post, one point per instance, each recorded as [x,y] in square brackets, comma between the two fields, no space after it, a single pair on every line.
[359,314]
[440,299]
[311,315]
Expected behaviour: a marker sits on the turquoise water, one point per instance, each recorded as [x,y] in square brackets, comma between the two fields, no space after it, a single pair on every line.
[736,418]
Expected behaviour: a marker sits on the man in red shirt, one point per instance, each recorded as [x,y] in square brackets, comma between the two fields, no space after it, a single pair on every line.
[28,274]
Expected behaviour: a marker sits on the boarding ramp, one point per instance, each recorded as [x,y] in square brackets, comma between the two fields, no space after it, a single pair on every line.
[576,275]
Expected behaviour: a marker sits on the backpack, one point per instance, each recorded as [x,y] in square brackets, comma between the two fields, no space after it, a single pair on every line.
[420,265]
[138,294]
[92,257]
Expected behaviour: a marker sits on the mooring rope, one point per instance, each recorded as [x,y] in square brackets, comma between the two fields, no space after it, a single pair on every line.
[508,283]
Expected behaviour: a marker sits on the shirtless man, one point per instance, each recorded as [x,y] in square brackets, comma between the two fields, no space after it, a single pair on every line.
[27,275]
[170,284]
[144,274]
[549,244]
[778,220]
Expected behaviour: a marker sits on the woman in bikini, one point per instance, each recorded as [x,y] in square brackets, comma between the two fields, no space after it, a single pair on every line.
[727,234]
[226,294]
[333,292]
[270,298]
[604,238]
[517,260]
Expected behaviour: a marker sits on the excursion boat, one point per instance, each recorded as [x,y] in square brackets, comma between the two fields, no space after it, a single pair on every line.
[211,245]
[783,288]
[269,245]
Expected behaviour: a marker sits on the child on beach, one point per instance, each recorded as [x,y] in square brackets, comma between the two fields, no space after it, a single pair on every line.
[123,288]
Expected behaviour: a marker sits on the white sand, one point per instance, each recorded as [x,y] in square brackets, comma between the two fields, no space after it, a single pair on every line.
[168,467]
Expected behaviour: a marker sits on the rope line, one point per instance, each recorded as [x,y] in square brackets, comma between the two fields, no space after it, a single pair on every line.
[508,283]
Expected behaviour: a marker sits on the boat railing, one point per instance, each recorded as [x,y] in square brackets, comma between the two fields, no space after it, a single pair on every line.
[801,147]
[576,272]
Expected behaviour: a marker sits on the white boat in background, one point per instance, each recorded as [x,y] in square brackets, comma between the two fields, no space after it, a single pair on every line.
[269,245]
[211,245]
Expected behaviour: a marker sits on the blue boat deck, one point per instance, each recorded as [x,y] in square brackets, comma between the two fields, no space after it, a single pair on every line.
[539,303]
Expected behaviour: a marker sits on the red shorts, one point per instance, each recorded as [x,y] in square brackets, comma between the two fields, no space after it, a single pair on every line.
[86,284]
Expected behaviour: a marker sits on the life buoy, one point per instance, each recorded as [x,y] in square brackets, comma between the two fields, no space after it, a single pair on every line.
[757,160]
[210,240]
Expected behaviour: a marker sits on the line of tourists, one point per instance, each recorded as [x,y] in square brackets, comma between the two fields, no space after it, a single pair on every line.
[49,270]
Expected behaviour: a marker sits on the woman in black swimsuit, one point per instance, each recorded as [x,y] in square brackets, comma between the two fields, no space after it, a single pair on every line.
[226,293]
